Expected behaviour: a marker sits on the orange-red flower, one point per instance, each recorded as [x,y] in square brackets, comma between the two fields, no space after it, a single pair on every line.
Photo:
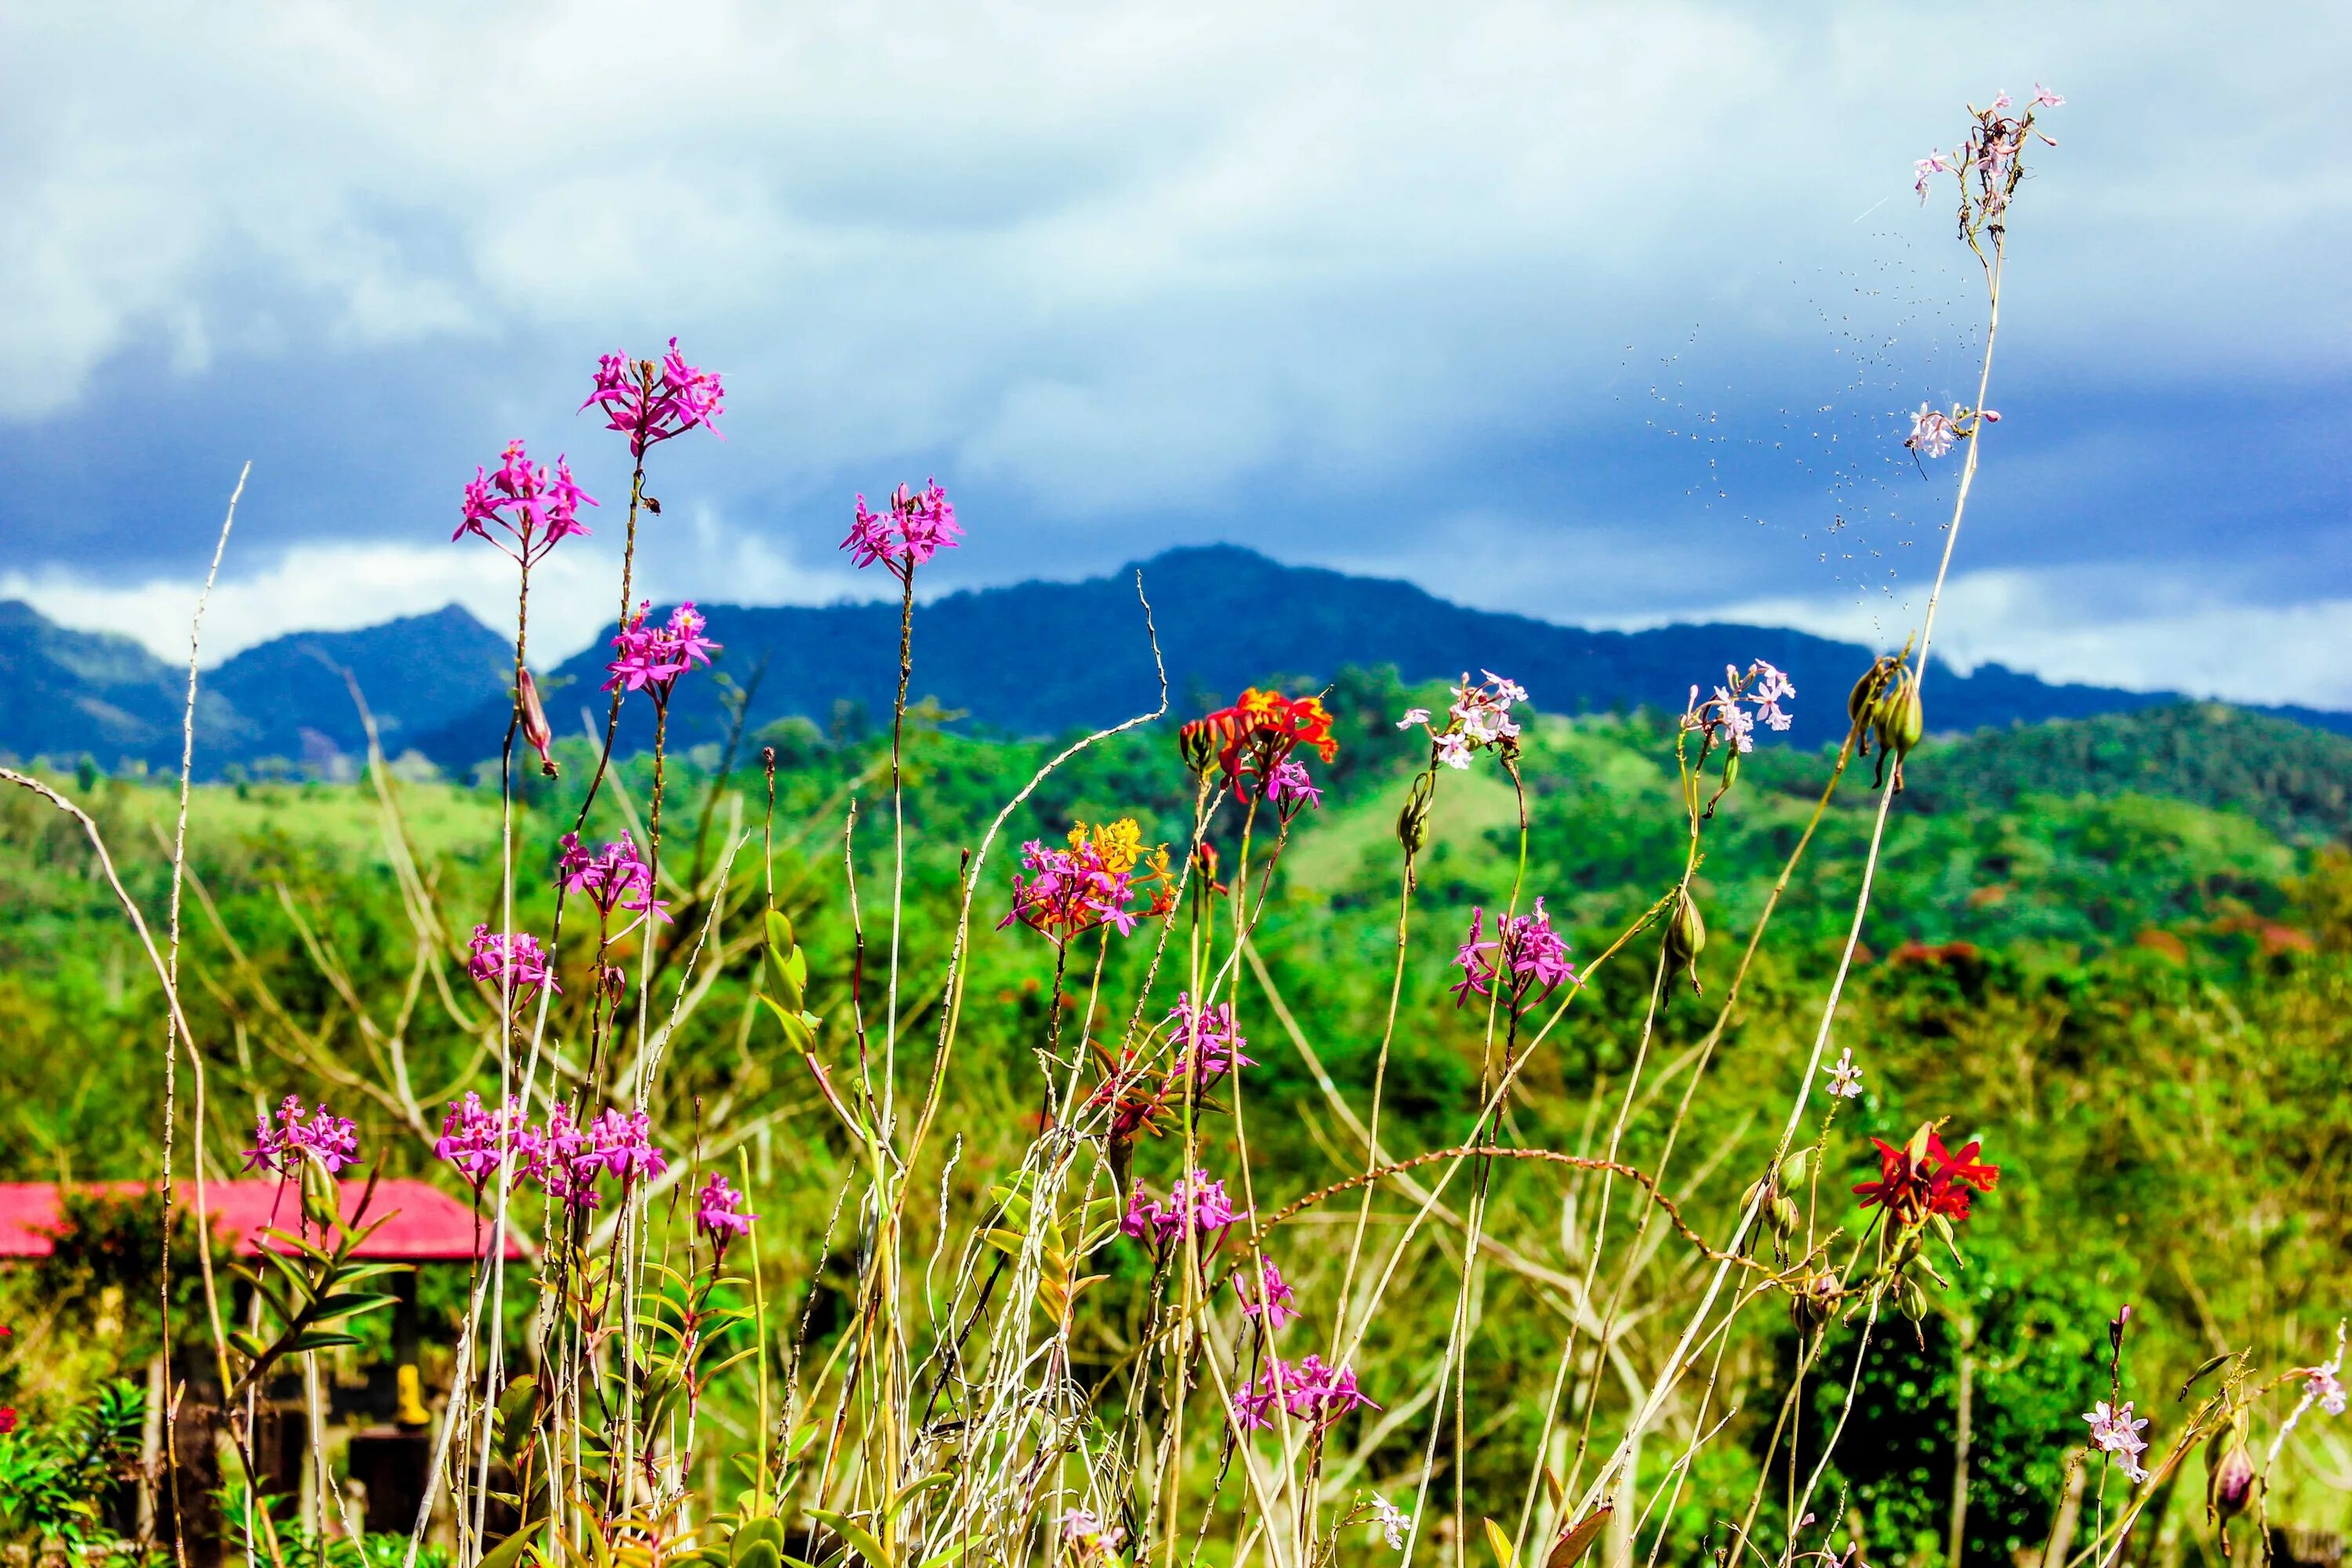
[1249,740]
[1925,1178]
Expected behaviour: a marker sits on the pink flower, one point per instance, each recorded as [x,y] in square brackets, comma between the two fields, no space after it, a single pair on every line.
[2321,1386]
[650,658]
[292,1134]
[1291,784]
[917,526]
[1063,892]
[719,1210]
[1208,1045]
[1928,168]
[623,1144]
[1845,1078]
[1274,1298]
[1309,1388]
[614,877]
[1194,1204]
[532,508]
[649,403]
[2115,1432]
[478,1141]
[511,961]
[1478,718]
[1932,434]
[2045,98]
[1526,947]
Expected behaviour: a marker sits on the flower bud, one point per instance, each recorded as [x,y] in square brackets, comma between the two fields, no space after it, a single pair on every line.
[1686,939]
[2231,1482]
[1197,746]
[536,731]
[1796,1168]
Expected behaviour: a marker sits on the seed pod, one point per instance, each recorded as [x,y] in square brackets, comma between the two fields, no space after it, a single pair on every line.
[1909,1300]
[1796,1168]
[1813,1301]
[2231,1482]
[1900,718]
[1686,940]
[1866,690]
[1412,822]
[1783,1210]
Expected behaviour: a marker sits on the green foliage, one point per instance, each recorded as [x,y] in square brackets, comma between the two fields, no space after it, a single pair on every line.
[55,1477]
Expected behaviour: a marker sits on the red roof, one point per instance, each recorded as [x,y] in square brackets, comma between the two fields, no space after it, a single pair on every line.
[422,1222]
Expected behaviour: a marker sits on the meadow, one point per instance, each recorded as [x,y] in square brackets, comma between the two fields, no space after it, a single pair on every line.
[1348,1121]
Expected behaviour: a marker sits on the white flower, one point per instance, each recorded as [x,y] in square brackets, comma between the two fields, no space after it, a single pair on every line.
[1931,433]
[1413,716]
[1845,1078]
[2114,1431]
[1394,1522]
[1453,750]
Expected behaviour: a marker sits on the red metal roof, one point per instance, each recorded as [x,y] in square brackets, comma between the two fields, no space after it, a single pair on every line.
[422,1222]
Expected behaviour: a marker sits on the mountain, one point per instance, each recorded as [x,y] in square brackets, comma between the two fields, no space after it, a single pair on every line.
[66,694]
[418,674]
[1044,658]
[1028,660]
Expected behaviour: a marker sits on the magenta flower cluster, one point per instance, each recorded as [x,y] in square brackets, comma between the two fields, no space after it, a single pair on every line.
[289,1134]
[1195,1204]
[1292,788]
[1310,1388]
[1722,716]
[916,525]
[719,1213]
[1208,1044]
[1478,718]
[1274,1298]
[530,506]
[649,403]
[1062,891]
[649,657]
[1525,953]
[511,961]
[614,877]
[566,1157]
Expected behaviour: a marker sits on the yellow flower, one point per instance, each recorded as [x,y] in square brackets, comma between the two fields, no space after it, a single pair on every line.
[1119,845]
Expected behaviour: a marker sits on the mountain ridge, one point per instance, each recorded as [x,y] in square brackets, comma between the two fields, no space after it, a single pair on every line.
[1028,658]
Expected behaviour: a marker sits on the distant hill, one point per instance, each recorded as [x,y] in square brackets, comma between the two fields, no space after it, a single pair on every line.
[418,674]
[1028,660]
[1042,657]
[2295,780]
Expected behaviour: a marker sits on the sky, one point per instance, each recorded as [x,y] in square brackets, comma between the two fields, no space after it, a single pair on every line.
[1609,314]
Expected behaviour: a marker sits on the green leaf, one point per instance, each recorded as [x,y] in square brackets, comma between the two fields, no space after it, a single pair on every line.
[913,1489]
[1499,1544]
[780,932]
[2204,1370]
[509,1553]
[861,1539]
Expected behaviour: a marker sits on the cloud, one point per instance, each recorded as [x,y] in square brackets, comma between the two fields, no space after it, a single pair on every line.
[2140,629]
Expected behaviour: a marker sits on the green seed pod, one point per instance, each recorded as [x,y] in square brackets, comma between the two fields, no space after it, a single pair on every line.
[1783,1211]
[1909,1300]
[1796,1168]
[1686,940]
[1412,822]
[1865,696]
[1813,1301]
[1901,718]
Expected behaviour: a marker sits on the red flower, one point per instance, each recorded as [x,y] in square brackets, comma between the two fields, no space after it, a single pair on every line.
[7,1419]
[1254,736]
[1925,1178]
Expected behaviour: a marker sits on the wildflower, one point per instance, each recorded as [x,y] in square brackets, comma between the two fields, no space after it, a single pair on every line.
[651,403]
[1525,948]
[1250,740]
[719,1211]
[512,961]
[291,1134]
[1086,1532]
[1208,1044]
[917,526]
[1925,1178]
[1478,718]
[1932,434]
[535,509]
[1094,881]
[614,877]
[623,1145]
[1928,168]
[1309,1388]
[2045,98]
[1195,1204]
[1392,1522]
[1291,784]
[1845,1078]
[2320,1385]
[478,1141]
[1275,1300]
[1724,719]
[650,658]
[2114,1432]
